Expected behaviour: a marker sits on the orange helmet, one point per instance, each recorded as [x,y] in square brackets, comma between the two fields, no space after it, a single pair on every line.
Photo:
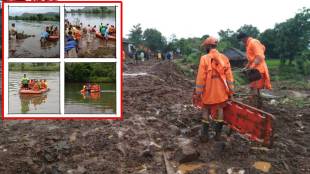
[209,41]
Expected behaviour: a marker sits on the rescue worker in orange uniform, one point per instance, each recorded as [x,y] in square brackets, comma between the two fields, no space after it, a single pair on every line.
[214,85]
[255,52]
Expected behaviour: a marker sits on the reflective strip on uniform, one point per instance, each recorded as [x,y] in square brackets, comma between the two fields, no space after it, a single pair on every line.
[200,86]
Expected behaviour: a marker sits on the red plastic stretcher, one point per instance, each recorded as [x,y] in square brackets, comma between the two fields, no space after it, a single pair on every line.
[253,123]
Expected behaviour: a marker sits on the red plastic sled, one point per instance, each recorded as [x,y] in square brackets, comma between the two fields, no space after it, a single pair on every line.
[253,123]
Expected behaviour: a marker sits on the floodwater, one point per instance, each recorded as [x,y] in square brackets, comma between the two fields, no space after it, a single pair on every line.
[94,103]
[97,48]
[31,47]
[47,103]
[91,19]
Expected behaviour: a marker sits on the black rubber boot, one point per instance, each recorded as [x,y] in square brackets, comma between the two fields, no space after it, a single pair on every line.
[218,130]
[204,137]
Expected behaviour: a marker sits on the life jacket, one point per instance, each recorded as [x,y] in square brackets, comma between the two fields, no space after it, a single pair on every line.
[36,87]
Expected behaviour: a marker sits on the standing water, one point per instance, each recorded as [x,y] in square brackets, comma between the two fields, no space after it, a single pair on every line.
[103,102]
[47,103]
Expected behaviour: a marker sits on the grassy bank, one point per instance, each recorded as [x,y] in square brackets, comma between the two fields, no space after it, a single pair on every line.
[288,75]
[34,67]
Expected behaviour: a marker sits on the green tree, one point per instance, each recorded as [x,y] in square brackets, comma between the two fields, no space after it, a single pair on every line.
[268,39]
[250,30]
[40,17]
[228,38]
[153,39]
[135,34]
[288,39]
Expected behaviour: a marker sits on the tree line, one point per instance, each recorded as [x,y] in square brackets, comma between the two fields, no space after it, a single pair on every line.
[288,41]
[94,10]
[37,17]
[93,72]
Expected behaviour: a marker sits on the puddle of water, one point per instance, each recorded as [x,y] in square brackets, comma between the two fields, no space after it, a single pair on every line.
[234,170]
[211,168]
[135,74]
[262,166]
[185,168]
[269,96]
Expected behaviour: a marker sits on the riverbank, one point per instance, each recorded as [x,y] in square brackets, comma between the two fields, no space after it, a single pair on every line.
[33,67]
[34,18]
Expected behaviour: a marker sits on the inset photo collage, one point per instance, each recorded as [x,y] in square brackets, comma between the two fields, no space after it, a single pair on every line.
[62,60]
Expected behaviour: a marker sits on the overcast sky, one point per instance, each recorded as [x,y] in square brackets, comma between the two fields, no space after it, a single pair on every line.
[16,11]
[190,18]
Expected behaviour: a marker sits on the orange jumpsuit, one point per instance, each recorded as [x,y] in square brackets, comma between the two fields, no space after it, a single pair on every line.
[214,79]
[253,49]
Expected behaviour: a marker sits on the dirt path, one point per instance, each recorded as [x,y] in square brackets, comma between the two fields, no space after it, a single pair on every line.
[159,126]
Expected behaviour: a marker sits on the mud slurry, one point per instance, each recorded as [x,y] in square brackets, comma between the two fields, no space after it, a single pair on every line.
[158,120]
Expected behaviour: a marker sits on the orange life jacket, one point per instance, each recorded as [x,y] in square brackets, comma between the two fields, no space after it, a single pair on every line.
[214,78]
[253,49]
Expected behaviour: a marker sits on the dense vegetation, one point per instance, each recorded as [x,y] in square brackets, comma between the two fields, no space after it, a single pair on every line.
[91,10]
[37,17]
[288,41]
[94,72]
[33,66]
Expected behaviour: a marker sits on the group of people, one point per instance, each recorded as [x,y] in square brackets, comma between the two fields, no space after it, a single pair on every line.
[88,87]
[73,35]
[106,30]
[33,84]
[50,30]
[215,82]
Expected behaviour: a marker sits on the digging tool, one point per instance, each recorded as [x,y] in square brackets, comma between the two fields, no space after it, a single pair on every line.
[253,123]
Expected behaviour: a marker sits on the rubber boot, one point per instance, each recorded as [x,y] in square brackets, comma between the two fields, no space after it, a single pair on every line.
[218,130]
[204,137]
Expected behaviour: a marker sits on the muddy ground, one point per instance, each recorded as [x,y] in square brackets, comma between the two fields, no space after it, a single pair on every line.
[160,125]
